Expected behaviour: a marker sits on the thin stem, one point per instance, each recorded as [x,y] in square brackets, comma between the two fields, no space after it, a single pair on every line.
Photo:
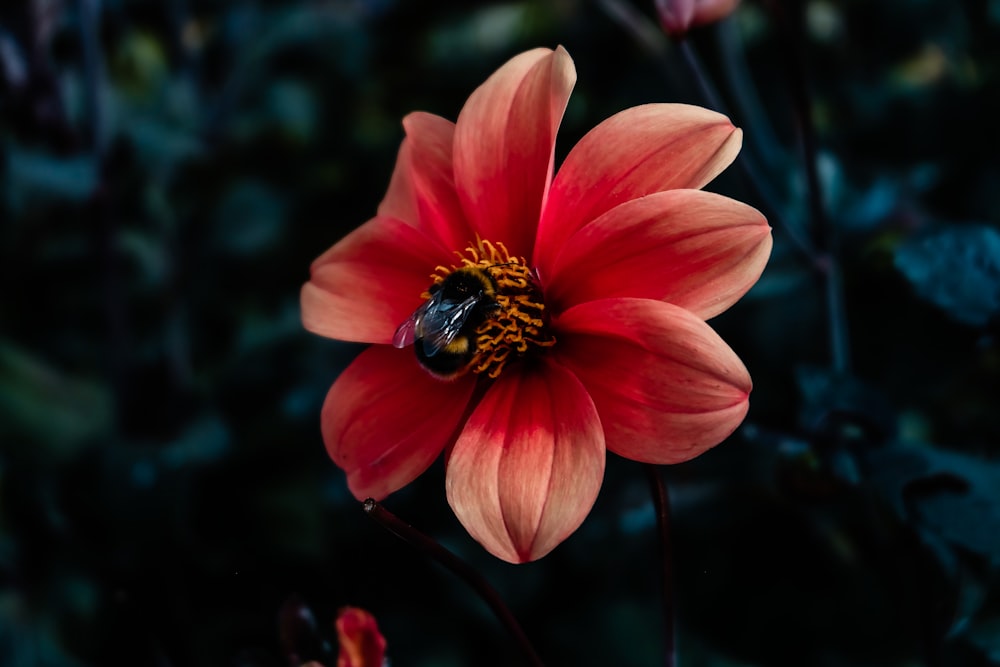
[746,97]
[661,503]
[837,316]
[93,71]
[823,260]
[824,231]
[646,34]
[450,561]
[705,88]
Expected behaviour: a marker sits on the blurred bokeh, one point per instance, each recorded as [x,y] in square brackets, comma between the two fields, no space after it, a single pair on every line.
[170,169]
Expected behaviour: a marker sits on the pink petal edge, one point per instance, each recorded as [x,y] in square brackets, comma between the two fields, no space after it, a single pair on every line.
[666,386]
[422,189]
[709,11]
[369,282]
[504,143]
[528,466]
[636,152]
[694,249]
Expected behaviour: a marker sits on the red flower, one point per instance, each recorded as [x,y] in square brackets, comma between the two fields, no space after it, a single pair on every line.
[587,332]
[361,643]
[678,16]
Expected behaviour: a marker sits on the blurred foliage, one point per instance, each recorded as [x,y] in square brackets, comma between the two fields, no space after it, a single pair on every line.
[957,269]
[170,169]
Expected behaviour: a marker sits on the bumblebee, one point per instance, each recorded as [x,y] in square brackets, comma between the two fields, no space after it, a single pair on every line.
[443,329]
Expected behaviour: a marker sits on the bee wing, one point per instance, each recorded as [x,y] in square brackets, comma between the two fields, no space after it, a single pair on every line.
[441,321]
[407,331]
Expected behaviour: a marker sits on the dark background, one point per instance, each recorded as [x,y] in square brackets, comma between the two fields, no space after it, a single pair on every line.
[169,171]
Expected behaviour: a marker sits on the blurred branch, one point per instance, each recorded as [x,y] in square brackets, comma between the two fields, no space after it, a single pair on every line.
[740,84]
[646,34]
[824,232]
[93,75]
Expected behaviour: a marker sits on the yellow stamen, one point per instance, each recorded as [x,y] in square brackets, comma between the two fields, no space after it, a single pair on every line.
[519,325]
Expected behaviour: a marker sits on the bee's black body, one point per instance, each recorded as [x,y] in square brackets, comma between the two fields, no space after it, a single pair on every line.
[442,330]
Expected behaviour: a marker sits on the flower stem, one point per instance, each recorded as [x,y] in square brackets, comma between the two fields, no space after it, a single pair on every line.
[456,565]
[647,35]
[661,503]
[739,82]
[705,87]
[824,232]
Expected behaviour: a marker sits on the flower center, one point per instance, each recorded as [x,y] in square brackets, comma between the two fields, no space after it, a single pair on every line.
[507,319]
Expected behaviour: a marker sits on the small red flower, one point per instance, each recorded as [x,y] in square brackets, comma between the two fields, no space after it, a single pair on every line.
[679,16]
[361,643]
[550,317]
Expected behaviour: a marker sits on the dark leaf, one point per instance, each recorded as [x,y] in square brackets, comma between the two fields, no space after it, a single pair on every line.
[957,269]
[951,494]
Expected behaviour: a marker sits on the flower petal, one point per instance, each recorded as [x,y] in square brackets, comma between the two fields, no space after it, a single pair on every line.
[386,419]
[526,469]
[694,249]
[361,643]
[636,152]
[709,11]
[368,283]
[675,15]
[504,144]
[422,189]
[666,386]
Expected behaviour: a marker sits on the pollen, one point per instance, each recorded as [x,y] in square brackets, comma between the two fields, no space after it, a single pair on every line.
[517,325]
